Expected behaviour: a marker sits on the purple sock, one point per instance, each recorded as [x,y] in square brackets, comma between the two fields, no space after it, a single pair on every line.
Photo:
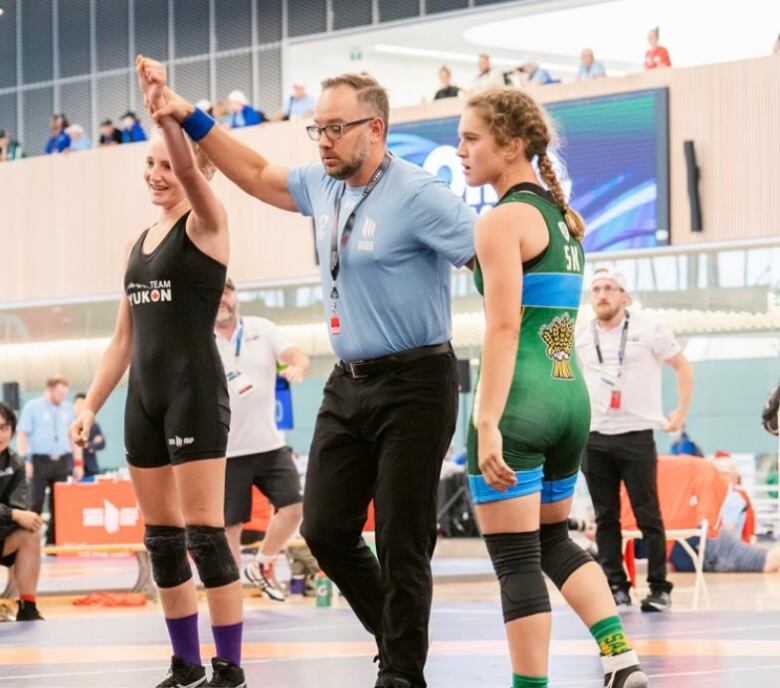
[184,638]
[228,641]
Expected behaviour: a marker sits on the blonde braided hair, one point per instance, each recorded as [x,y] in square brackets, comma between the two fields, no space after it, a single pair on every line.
[512,114]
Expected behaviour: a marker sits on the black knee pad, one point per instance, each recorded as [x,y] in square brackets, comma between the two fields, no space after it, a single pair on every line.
[211,553]
[561,556]
[167,547]
[517,560]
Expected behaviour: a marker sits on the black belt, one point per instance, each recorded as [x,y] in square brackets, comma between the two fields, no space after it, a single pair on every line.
[51,457]
[376,366]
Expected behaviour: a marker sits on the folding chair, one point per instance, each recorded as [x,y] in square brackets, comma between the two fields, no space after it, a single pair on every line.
[691,494]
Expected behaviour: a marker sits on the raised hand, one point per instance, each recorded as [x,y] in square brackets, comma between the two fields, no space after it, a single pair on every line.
[152,79]
[175,106]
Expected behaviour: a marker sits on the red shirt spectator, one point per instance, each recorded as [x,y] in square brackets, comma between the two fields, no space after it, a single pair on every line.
[657,56]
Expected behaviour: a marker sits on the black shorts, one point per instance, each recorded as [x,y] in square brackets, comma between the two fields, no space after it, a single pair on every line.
[272,472]
[189,427]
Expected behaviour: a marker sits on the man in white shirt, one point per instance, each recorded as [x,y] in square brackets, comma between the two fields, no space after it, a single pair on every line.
[257,455]
[487,77]
[621,355]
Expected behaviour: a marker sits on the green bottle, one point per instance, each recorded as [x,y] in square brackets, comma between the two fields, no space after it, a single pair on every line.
[324,588]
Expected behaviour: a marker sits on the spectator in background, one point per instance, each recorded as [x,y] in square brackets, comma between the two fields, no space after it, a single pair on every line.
[534,74]
[487,77]
[59,139]
[94,444]
[776,46]
[109,134]
[657,56]
[732,550]
[219,111]
[250,349]
[205,105]
[78,140]
[590,68]
[20,543]
[242,113]
[45,445]
[685,445]
[299,104]
[447,89]
[132,131]
[10,148]
[769,414]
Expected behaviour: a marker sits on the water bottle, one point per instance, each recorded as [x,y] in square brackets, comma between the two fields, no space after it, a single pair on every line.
[324,589]
[297,585]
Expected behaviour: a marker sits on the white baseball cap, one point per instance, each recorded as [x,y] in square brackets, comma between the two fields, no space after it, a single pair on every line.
[238,96]
[607,272]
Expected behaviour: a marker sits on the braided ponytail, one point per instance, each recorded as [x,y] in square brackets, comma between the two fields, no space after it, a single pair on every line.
[573,219]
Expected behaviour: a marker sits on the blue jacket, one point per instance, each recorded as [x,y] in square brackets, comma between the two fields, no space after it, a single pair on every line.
[57,144]
[133,134]
[246,118]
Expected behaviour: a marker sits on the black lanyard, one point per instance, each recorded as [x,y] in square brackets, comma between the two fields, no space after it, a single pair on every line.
[623,340]
[335,262]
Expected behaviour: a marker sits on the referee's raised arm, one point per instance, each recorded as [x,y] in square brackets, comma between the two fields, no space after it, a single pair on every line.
[237,161]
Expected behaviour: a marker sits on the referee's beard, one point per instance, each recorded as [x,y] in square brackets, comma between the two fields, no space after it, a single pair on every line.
[351,166]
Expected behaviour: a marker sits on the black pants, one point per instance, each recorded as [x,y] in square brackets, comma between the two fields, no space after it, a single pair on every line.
[46,472]
[383,437]
[632,458]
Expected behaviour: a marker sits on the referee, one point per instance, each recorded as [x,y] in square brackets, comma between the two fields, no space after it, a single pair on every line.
[388,234]
[621,354]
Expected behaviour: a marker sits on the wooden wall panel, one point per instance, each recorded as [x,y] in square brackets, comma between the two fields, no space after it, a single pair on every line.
[66,219]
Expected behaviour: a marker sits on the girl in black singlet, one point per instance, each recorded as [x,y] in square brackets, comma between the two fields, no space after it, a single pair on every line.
[177,413]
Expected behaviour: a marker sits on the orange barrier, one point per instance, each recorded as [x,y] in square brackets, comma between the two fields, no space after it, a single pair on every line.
[101,513]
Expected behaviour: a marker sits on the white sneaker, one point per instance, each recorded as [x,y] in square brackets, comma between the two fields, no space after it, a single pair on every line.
[262,575]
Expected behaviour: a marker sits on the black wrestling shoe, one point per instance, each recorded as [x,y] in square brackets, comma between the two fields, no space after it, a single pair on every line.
[622,600]
[226,674]
[393,682]
[28,611]
[657,602]
[183,674]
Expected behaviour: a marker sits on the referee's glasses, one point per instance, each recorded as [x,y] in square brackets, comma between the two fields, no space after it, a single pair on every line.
[333,131]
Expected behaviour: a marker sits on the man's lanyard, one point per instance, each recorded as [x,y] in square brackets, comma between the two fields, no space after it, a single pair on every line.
[623,340]
[335,263]
[55,414]
[239,336]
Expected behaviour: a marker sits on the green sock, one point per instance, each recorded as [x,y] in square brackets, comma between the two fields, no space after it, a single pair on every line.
[610,636]
[528,682]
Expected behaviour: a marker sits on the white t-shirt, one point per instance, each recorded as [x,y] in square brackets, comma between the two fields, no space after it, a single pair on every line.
[648,345]
[252,385]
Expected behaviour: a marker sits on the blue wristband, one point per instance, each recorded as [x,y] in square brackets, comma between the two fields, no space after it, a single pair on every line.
[198,124]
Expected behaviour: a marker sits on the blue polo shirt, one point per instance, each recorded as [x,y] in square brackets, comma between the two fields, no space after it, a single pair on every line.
[395,275]
[47,426]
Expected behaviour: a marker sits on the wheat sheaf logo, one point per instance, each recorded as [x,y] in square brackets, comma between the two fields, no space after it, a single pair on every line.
[559,337]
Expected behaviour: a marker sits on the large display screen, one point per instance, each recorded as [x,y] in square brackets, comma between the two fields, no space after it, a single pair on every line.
[615,152]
